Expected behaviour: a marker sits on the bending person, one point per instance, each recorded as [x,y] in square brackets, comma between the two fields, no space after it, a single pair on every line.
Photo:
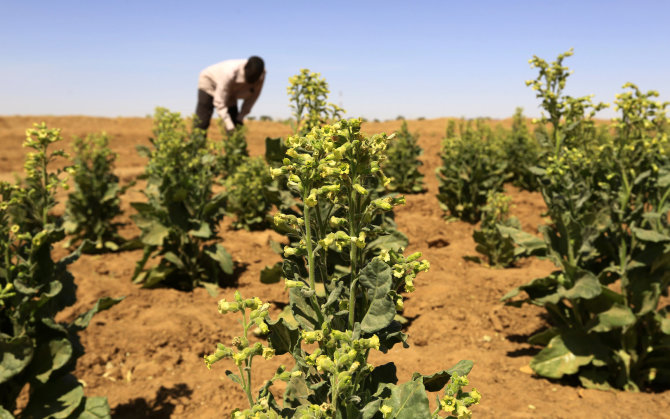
[221,85]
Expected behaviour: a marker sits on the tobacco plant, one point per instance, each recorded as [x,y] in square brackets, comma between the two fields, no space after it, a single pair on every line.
[308,94]
[249,194]
[95,202]
[492,239]
[402,164]
[35,350]
[337,317]
[610,240]
[234,150]
[522,153]
[180,219]
[472,166]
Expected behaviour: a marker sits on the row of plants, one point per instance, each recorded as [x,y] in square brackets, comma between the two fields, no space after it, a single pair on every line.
[608,235]
[38,353]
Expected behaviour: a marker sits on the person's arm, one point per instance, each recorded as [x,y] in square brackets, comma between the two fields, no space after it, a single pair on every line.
[221,96]
[249,103]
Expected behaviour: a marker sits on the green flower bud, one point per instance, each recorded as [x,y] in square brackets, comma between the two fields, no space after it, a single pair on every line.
[289,283]
[290,251]
[361,190]
[227,307]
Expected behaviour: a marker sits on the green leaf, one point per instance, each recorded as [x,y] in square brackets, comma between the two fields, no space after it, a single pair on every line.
[284,337]
[204,232]
[51,357]
[587,286]
[15,355]
[234,377]
[96,408]
[408,401]
[595,379]
[82,321]
[271,274]
[558,359]
[223,258]
[393,241]
[437,381]
[211,288]
[544,337]
[57,399]
[302,309]
[616,317]
[649,235]
[376,277]
[5,414]
[530,244]
[155,235]
[173,259]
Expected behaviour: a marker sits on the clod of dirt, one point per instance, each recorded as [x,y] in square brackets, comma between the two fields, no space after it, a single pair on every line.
[437,242]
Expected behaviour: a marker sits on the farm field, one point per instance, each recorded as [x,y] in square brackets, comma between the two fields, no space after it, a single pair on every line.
[145,354]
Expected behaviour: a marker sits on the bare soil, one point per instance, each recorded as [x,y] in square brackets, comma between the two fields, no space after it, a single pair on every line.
[145,354]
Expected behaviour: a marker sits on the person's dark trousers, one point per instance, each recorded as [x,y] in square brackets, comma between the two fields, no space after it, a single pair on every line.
[205,108]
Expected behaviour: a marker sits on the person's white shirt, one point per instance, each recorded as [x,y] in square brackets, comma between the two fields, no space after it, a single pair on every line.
[225,82]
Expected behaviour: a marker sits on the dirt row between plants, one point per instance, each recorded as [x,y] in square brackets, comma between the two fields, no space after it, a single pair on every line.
[145,354]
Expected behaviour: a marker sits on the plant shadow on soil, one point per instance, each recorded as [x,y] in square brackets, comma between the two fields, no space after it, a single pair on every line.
[162,407]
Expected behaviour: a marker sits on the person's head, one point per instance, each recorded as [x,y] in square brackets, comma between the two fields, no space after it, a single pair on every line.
[253,69]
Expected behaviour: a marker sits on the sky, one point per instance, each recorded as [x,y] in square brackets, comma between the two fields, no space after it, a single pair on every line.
[381,59]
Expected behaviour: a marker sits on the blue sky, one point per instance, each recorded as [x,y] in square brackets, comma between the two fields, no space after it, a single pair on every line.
[381,58]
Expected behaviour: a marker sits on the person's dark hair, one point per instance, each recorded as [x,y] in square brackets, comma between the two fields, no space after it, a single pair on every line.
[253,69]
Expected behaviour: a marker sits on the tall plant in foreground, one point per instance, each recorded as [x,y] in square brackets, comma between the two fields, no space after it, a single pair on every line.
[337,318]
[402,165]
[35,350]
[179,221]
[95,202]
[609,236]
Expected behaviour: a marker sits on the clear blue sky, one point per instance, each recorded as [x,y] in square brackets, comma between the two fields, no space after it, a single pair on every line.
[380,58]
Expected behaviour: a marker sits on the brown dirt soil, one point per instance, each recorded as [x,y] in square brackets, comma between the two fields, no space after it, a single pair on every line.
[145,354]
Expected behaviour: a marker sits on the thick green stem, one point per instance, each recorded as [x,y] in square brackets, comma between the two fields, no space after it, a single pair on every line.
[311,263]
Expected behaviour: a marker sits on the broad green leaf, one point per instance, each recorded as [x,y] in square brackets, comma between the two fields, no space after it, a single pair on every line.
[211,288]
[51,357]
[96,408]
[587,286]
[408,401]
[5,414]
[57,399]
[15,355]
[557,359]
[595,379]
[173,259]
[223,258]
[82,321]
[203,232]
[393,241]
[617,316]
[649,235]
[284,337]
[302,309]
[370,410]
[155,235]
[437,381]
[376,277]
[531,245]
[271,274]
[544,337]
